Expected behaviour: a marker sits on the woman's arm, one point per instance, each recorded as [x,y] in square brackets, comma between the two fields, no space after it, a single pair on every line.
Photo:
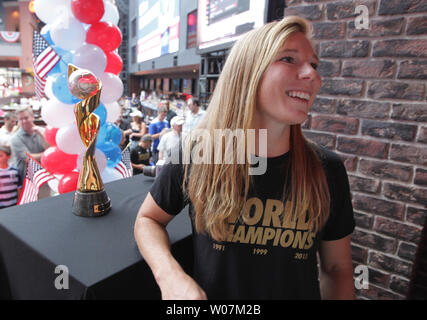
[336,270]
[154,245]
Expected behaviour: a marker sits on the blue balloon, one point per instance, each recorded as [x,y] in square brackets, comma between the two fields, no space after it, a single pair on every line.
[101,111]
[60,89]
[112,152]
[110,132]
[62,65]
[46,35]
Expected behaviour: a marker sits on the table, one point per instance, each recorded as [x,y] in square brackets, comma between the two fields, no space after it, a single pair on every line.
[100,253]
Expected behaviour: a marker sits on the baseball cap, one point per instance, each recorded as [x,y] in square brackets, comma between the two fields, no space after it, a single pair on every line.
[137,113]
[177,120]
[147,137]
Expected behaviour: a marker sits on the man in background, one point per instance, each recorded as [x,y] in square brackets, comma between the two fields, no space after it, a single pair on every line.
[192,116]
[9,128]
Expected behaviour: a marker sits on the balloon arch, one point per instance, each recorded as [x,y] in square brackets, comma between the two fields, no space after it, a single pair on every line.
[84,33]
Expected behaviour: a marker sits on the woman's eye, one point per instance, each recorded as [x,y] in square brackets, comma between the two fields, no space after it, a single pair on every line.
[315,66]
[288,59]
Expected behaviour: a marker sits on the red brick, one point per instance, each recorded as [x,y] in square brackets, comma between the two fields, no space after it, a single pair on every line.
[341,87]
[363,147]
[407,251]
[369,69]
[389,263]
[416,216]
[417,25]
[377,293]
[389,130]
[310,12]
[398,230]
[378,28]
[374,241]
[399,285]
[359,254]
[385,170]
[380,207]
[363,109]
[409,111]
[344,49]
[350,162]
[363,220]
[335,124]
[328,30]
[329,68]
[421,177]
[364,185]
[422,136]
[396,90]
[345,9]
[408,154]
[387,7]
[324,105]
[400,48]
[413,69]
[404,193]
[326,140]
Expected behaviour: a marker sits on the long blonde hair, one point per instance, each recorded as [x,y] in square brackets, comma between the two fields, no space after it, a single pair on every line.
[219,191]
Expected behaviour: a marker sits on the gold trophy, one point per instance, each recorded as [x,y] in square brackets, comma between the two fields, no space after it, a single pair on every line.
[90,199]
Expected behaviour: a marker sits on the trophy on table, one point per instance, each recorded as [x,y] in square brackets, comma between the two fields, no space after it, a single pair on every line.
[90,198]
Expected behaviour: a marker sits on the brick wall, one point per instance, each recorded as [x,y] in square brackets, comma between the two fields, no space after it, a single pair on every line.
[372,111]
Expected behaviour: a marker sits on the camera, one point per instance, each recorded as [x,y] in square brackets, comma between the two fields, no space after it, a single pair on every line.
[153,171]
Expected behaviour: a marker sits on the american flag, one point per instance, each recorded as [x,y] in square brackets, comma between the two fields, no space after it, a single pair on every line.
[44,60]
[124,166]
[35,178]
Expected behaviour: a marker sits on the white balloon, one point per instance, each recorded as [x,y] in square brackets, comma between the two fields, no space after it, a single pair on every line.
[53,184]
[110,174]
[101,160]
[111,13]
[112,88]
[67,32]
[68,140]
[57,114]
[91,57]
[49,10]
[113,111]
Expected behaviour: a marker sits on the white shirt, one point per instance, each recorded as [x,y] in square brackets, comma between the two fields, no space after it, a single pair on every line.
[167,142]
[191,120]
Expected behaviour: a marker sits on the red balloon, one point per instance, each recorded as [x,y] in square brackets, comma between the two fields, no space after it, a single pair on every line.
[114,63]
[50,135]
[68,182]
[88,11]
[105,35]
[56,161]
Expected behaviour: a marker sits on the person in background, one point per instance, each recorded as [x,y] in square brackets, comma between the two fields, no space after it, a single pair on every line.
[171,139]
[140,156]
[171,113]
[158,127]
[124,125]
[28,139]
[10,181]
[9,128]
[192,116]
[138,127]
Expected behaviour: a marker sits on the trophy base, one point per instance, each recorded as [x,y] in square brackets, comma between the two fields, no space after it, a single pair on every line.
[91,204]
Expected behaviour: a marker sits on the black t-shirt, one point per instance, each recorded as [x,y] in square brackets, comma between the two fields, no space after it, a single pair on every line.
[140,155]
[267,258]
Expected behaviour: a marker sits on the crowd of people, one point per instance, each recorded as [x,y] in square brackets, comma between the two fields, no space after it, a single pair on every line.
[152,139]
[148,139]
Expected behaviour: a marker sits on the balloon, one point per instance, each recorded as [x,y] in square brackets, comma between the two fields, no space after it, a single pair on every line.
[112,152]
[111,13]
[88,11]
[100,158]
[68,182]
[101,112]
[60,89]
[53,184]
[90,57]
[57,114]
[56,161]
[113,111]
[67,32]
[69,141]
[105,35]
[49,10]
[45,33]
[110,132]
[114,63]
[50,135]
[110,174]
[112,88]
[48,87]
[62,65]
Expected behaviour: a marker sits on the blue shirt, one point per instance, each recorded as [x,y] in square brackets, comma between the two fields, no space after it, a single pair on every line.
[155,127]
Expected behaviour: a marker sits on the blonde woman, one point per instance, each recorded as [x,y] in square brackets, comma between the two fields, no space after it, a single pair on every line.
[257,236]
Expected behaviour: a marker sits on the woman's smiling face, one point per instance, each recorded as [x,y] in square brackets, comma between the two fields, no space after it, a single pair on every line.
[289,85]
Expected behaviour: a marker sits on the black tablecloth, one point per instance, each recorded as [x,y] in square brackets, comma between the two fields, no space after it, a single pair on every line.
[100,253]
